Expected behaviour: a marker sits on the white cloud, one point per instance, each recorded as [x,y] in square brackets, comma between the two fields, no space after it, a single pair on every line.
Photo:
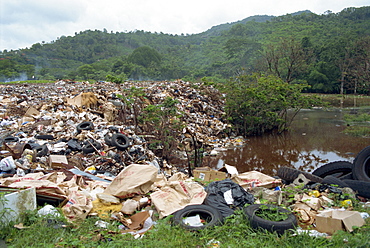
[25,22]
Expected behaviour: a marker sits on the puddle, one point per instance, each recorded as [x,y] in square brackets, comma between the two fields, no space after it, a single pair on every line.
[315,139]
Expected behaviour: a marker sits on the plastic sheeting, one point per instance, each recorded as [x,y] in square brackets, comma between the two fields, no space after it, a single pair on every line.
[216,196]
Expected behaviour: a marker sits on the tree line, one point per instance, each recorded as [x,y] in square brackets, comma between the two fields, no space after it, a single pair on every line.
[329,52]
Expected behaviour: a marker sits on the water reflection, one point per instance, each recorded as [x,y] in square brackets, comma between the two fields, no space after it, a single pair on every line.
[315,138]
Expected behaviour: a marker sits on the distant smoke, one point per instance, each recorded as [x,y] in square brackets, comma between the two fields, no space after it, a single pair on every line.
[21,77]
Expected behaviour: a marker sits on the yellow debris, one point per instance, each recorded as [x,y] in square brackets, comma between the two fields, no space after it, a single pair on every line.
[104,211]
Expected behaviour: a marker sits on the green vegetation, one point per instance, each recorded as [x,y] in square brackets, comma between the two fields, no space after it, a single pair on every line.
[329,52]
[30,81]
[133,102]
[358,131]
[358,118]
[3,211]
[164,121]
[358,125]
[117,80]
[236,232]
[55,231]
[271,213]
[259,104]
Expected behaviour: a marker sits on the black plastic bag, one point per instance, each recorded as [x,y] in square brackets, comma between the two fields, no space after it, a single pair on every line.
[215,196]
[74,145]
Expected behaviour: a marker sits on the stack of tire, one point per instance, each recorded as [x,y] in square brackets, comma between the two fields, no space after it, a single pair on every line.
[117,139]
[354,175]
[360,181]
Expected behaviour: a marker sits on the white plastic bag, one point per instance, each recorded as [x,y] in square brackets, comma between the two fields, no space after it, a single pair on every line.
[7,164]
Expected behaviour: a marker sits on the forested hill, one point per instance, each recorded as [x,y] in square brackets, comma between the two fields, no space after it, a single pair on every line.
[217,30]
[328,51]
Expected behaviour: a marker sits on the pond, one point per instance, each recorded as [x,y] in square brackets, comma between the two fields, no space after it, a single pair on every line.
[315,138]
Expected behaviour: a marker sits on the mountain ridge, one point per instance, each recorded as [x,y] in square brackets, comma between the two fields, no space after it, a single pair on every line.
[257,18]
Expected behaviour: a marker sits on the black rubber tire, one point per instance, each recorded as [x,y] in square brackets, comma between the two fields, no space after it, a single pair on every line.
[88,148]
[272,226]
[337,169]
[108,139]
[45,137]
[120,141]
[210,214]
[362,188]
[290,174]
[86,125]
[361,165]
[10,139]
[334,181]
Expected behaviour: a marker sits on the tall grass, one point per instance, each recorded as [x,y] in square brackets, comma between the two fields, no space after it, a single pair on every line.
[235,232]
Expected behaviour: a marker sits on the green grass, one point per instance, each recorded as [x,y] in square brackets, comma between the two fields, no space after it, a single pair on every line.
[30,81]
[358,125]
[235,232]
[357,131]
[362,118]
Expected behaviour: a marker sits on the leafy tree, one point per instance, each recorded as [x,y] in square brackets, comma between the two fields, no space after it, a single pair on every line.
[258,104]
[85,71]
[243,50]
[114,79]
[323,77]
[145,56]
[164,121]
[118,67]
[171,69]
[319,81]
[8,68]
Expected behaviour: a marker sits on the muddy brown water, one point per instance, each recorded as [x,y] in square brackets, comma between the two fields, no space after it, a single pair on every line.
[315,139]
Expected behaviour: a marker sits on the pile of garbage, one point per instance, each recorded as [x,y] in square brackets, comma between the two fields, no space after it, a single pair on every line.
[79,120]
[77,146]
[140,194]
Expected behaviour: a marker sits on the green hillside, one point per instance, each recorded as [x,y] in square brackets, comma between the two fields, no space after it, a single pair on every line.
[331,52]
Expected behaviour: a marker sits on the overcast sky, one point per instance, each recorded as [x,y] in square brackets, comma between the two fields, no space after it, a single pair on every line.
[25,22]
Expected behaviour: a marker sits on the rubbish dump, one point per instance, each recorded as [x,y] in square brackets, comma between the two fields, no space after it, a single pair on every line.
[82,148]
[80,121]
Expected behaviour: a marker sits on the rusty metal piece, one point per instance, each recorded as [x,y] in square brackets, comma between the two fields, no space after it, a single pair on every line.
[17,150]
